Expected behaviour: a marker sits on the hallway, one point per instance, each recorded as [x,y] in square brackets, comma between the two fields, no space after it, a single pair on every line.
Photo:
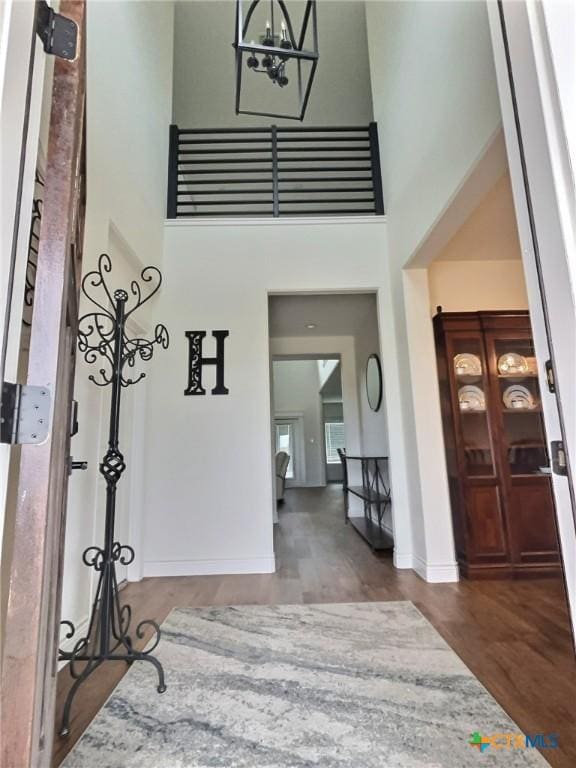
[512,635]
[321,559]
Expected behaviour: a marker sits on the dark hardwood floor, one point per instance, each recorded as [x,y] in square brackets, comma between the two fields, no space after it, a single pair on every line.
[513,635]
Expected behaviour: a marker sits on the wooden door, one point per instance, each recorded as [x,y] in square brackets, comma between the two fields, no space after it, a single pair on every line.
[523,455]
[30,654]
[483,517]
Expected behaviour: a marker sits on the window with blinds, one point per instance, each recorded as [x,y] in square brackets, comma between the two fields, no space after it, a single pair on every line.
[334,436]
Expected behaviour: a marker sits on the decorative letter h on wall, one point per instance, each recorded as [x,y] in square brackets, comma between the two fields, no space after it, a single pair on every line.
[196,361]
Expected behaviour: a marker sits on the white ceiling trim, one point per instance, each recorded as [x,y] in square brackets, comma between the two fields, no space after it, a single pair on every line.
[282,221]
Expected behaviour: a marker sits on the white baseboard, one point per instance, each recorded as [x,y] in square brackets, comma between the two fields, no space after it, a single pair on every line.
[209,567]
[436,573]
[403,560]
[433,573]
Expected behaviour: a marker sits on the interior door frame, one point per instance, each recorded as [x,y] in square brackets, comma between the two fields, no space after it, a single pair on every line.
[539,166]
[297,420]
[22,68]
[30,652]
[134,486]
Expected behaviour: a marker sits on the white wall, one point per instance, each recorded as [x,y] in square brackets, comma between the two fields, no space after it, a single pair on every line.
[463,286]
[436,103]
[296,388]
[372,423]
[204,80]
[480,267]
[436,110]
[560,23]
[128,113]
[560,17]
[208,492]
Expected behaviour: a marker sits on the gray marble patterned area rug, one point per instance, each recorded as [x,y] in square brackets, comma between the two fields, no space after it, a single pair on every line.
[364,685]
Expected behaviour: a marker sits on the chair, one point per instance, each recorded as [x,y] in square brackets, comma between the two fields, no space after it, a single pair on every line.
[342,457]
[282,461]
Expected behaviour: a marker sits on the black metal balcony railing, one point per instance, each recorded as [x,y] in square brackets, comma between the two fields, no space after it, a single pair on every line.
[274,172]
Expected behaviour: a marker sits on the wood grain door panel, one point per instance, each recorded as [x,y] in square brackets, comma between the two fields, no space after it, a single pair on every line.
[486,523]
[535,538]
[30,652]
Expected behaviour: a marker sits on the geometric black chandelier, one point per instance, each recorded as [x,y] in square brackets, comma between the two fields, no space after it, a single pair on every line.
[267,45]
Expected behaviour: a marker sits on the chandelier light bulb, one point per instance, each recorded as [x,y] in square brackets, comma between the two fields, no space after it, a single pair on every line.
[284,41]
[268,38]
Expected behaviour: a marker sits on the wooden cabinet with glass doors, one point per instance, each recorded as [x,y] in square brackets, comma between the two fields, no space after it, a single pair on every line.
[496,453]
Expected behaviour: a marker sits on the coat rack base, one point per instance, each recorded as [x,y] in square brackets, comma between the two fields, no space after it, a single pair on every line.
[129,658]
[107,637]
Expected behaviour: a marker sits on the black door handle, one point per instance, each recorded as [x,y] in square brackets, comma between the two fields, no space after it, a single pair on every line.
[76,465]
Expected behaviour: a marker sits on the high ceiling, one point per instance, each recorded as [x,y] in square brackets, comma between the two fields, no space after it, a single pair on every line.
[339,314]
[490,232]
[204,76]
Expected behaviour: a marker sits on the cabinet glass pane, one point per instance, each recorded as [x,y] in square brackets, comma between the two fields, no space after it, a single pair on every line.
[521,406]
[469,376]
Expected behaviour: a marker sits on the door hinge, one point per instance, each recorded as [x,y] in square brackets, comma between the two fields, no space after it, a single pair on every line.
[559,463]
[25,416]
[550,377]
[58,33]
[74,418]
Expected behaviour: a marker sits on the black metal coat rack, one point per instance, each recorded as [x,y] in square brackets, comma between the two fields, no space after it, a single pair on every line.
[102,337]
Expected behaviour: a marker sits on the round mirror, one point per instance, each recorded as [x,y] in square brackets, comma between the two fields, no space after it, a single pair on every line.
[374,382]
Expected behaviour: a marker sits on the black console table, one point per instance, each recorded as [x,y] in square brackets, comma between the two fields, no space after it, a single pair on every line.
[375,495]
